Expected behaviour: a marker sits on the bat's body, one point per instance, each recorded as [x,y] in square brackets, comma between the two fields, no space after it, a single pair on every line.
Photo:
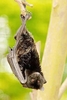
[27,58]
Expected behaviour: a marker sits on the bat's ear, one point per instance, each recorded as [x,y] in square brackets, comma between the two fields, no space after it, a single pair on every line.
[44,80]
[42,88]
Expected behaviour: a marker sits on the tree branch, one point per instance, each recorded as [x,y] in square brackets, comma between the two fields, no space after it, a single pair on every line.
[55,51]
[62,88]
[22,5]
[33,95]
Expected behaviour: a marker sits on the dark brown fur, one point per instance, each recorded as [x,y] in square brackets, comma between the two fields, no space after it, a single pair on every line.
[27,55]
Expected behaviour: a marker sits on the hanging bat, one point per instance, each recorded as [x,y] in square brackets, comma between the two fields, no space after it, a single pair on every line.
[24,58]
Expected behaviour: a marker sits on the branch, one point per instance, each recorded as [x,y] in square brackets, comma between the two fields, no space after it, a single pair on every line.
[55,51]
[28,4]
[22,5]
[33,95]
[62,88]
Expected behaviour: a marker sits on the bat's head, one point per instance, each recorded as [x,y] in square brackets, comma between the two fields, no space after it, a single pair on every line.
[35,80]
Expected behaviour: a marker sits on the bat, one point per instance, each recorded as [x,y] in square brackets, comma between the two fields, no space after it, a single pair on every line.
[24,58]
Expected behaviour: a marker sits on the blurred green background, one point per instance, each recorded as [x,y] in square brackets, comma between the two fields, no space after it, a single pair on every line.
[10,88]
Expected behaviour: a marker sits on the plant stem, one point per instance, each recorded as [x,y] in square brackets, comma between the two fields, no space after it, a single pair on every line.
[55,51]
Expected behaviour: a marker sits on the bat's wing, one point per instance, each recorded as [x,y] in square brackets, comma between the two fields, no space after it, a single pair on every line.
[11,57]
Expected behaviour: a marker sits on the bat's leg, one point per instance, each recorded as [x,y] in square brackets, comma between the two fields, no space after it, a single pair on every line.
[25,18]
[22,27]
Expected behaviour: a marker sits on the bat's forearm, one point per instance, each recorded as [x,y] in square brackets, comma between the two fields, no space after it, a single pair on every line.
[22,28]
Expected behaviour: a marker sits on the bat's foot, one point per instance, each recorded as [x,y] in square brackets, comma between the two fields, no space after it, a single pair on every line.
[26,17]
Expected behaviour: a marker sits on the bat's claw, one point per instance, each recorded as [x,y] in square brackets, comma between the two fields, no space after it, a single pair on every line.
[26,17]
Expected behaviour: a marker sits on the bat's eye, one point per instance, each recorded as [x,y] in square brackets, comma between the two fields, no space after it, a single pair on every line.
[32,80]
[38,81]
